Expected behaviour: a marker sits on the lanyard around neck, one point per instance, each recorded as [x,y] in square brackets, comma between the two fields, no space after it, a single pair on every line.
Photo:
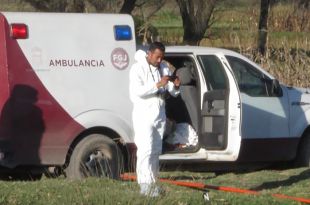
[152,72]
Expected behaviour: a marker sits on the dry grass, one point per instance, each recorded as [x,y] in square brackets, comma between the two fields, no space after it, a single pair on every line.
[288,18]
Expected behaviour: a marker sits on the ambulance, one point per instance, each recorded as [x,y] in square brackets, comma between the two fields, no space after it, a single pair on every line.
[65,107]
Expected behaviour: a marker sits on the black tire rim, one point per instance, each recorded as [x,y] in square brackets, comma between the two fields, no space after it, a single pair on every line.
[96,164]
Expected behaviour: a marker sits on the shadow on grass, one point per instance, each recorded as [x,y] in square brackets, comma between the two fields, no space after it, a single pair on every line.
[288,182]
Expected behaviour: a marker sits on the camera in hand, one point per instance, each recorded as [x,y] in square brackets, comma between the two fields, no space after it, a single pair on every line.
[172,78]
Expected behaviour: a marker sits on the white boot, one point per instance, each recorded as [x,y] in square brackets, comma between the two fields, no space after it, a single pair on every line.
[150,190]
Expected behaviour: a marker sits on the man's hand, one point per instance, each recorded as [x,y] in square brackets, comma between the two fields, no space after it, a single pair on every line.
[163,81]
[177,82]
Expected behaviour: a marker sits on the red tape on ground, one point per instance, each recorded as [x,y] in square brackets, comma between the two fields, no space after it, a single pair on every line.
[198,185]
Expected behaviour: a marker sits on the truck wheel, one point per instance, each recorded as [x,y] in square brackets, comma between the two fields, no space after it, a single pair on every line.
[96,156]
[303,157]
[22,176]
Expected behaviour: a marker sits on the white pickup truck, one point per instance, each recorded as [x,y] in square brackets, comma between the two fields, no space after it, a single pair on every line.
[65,105]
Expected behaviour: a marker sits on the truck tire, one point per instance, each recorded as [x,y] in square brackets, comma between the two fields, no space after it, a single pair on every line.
[22,176]
[95,156]
[303,157]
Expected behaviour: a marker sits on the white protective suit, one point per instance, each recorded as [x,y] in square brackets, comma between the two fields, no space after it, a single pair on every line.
[148,116]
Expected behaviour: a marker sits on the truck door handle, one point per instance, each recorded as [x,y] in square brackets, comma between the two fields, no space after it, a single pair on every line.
[210,105]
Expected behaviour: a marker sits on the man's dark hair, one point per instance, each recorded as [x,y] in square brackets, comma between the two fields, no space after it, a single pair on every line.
[157,45]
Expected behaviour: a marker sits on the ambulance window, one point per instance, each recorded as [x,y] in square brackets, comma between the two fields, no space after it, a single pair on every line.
[213,72]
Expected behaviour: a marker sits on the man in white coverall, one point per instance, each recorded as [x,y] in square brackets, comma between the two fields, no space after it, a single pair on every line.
[149,80]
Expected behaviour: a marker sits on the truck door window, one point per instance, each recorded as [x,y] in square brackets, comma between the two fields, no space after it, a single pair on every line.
[250,80]
[213,72]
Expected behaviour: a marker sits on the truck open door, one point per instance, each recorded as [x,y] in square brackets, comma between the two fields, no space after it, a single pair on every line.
[221,109]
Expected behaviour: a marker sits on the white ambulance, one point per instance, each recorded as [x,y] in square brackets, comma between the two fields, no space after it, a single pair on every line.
[65,104]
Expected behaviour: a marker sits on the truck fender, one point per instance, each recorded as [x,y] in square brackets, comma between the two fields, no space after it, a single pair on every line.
[300,125]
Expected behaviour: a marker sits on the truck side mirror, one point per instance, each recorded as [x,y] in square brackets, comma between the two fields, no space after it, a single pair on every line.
[276,89]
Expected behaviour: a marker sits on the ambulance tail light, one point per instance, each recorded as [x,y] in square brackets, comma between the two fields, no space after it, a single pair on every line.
[122,33]
[19,31]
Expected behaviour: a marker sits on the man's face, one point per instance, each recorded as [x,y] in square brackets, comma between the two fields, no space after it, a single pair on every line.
[155,57]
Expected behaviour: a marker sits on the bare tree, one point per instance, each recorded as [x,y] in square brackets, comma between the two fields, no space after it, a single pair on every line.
[75,6]
[111,6]
[57,5]
[98,5]
[263,25]
[196,15]
[304,4]
[147,10]
[48,5]
[128,6]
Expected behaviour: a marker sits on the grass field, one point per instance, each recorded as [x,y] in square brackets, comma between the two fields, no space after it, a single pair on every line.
[291,182]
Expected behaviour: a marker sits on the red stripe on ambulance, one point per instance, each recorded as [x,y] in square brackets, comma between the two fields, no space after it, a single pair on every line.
[28,110]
